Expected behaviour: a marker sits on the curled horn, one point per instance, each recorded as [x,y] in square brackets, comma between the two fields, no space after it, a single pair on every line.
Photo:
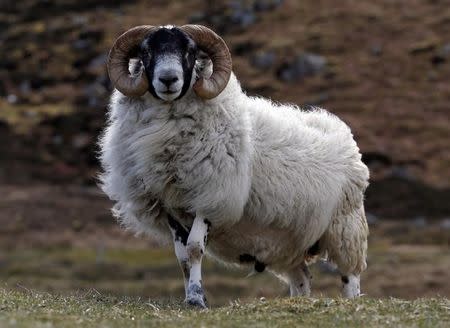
[119,56]
[216,48]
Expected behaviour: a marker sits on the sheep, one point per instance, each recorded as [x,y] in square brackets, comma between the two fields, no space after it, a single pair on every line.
[187,156]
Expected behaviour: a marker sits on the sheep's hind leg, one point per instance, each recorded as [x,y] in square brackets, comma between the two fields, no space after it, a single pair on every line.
[180,236]
[346,244]
[300,281]
[350,288]
[195,250]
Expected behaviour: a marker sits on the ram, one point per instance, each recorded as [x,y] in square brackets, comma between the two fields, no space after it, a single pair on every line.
[188,156]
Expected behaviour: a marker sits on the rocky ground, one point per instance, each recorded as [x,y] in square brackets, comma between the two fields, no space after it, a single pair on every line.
[381,66]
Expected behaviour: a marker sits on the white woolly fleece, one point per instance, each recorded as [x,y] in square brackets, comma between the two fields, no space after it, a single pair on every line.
[272,179]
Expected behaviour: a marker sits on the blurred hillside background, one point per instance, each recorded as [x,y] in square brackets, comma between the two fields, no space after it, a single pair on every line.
[382,66]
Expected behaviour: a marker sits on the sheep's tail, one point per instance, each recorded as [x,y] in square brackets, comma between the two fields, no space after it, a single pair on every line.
[345,242]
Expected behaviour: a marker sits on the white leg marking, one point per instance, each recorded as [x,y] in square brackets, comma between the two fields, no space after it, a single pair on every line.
[183,260]
[300,281]
[350,288]
[179,235]
[195,250]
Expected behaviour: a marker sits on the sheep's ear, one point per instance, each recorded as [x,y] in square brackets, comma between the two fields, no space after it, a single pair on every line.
[135,66]
[203,64]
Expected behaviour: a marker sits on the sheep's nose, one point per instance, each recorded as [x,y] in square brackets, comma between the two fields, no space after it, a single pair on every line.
[168,80]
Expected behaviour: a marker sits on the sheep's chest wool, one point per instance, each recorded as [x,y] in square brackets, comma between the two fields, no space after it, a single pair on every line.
[178,156]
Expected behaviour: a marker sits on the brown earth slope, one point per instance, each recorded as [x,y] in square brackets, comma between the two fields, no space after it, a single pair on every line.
[382,66]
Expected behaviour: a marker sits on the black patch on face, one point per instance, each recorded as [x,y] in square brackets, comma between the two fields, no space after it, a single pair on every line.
[181,233]
[345,279]
[314,249]
[164,42]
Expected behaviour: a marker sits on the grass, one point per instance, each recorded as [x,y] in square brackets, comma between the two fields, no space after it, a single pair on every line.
[32,309]
[111,286]
[153,273]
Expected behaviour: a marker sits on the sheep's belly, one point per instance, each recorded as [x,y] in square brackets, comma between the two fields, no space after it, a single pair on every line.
[247,243]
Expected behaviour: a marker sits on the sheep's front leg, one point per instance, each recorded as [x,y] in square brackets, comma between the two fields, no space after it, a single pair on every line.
[180,236]
[195,249]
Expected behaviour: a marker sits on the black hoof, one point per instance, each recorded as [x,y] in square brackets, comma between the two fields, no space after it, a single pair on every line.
[196,297]
[196,301]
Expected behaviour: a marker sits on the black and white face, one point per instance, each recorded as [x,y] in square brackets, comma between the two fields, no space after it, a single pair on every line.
[168,56]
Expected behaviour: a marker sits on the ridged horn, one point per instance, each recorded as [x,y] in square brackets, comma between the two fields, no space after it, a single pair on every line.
[217,50]
[124,47]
